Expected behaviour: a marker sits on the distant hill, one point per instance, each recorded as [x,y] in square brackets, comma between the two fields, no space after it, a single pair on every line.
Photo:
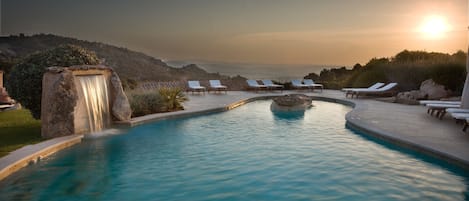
[127,63]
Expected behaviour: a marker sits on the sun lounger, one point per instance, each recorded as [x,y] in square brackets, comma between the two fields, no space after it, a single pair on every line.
[457,110]
[271,85]
[297,84]
[310,83]
[440,109]
[374,86]
[453,110]
[460,116]
[194,85]
[387,89]
[215,85]
[6,106]
[349,91]
[425,102]
[256,86]
[466,124]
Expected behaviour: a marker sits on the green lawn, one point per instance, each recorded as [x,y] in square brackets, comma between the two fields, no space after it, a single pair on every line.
[17,129]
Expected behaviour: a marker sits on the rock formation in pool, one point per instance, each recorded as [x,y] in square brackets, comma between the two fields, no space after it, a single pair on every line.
[293,102]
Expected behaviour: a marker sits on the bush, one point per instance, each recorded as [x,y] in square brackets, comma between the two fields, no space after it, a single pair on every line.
[150,102]
[25,79]
[129,84]
[173,98]
[452,76]
[143,103]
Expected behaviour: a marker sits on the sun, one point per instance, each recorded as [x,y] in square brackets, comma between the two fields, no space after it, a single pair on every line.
[434,27]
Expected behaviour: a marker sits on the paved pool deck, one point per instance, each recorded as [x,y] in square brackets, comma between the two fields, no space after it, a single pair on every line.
[405,125]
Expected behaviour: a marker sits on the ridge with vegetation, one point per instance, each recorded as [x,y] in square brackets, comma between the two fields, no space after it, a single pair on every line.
[130,65]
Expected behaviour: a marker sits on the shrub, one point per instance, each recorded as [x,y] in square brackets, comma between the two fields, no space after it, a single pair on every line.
[150,102]
[129,84]
[452,76]
[25,79]
[143,103]
[173,98]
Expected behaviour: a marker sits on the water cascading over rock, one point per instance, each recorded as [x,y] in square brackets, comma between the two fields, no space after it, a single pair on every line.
[80,100]
[94,96]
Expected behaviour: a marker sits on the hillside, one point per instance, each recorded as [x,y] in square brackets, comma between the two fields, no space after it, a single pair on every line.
[127,63]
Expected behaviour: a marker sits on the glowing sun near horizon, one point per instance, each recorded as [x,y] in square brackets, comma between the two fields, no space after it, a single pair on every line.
[434,27]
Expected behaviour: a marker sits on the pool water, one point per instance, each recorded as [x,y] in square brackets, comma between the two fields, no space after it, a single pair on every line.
[248,153]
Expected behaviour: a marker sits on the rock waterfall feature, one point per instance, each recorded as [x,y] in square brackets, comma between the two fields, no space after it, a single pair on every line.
[80,100]
[94,96]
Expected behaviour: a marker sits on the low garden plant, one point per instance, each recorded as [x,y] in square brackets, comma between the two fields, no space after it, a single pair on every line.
[156,101]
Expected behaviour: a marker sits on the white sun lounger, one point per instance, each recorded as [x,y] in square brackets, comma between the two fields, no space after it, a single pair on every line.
[374,86]
[440,109]
[271,85]
[310,83]
[215,85]
[349,91]
[297,84]
[452,110]
[256,86]
[457,110]
[466,124]
[460,116]
[194,85]
[425,102]
[6,106]
[388,89]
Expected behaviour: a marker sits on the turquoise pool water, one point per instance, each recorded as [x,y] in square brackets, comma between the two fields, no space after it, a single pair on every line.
[248,153]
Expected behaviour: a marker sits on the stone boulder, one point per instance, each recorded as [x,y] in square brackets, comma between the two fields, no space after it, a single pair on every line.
[410,97]
[428,90]
[121,110]
[434,90]
[59,98]
[294,102]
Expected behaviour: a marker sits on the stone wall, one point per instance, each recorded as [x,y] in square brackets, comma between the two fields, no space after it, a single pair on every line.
[60,113]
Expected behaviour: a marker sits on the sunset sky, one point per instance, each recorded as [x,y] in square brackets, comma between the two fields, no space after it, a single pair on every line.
[329,32]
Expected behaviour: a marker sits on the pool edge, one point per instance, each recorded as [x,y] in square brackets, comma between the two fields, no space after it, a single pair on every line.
[30,154]
[363,128]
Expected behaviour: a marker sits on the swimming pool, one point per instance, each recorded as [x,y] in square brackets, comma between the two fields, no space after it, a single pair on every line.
[248,153]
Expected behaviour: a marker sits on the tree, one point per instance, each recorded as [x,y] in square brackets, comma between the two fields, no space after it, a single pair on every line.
[25,80]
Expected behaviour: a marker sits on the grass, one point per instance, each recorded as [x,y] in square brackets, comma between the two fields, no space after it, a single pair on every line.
[17,129]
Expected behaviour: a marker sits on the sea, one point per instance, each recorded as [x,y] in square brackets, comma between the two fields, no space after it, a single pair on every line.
[277,72]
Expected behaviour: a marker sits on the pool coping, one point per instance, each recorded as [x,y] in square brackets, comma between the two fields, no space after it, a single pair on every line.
[355,124]
[30,154]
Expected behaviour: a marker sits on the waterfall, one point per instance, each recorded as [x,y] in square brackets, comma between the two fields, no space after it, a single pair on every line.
[94,91]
